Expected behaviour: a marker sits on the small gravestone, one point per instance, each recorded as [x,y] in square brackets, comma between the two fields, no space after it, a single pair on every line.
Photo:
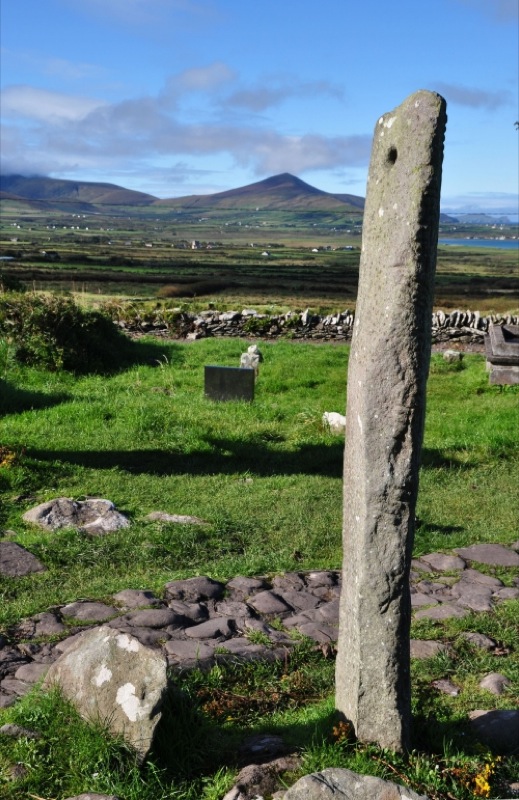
[229,383]
[502,349]
[251,359]
[387,376]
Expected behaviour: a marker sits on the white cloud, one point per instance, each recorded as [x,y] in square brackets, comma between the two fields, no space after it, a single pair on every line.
[260,97]
[40,104]
[473,97]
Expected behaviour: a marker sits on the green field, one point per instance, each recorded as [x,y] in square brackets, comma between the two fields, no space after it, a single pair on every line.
[312,259]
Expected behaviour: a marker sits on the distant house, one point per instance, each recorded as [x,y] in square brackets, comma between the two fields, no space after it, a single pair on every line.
[195,244]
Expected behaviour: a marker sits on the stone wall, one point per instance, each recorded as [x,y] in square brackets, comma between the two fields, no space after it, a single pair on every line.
[467,326]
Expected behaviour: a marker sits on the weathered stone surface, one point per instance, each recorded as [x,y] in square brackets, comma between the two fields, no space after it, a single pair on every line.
[89,611]
[18,732]
[495,683]
[479,640]
[331,784]
[494,554]
[194,589]
[16,561]
[446,686]
[242,588]
[441,562]
[185,652]
[498,729]
[95,516]
[178,519]
[110,676]
[92,796]
[387,376]
[31,673]
[427,648]
[270,604]
[136,598]
[212,629]
[443,611]
[152,618]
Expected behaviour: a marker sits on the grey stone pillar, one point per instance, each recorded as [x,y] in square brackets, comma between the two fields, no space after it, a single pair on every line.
[387,375]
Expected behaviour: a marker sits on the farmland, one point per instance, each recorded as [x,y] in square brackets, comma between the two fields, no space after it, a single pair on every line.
[228,256]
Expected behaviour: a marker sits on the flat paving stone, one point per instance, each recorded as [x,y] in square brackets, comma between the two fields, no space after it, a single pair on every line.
[443,611]
[89,611]
[195,590]
[440,562]
[153,618]
[136,598]
[270,604]
[493,554]
[216,628]
[16,561]
[427,648]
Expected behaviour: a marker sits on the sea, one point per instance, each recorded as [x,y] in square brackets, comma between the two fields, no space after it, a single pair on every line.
[500,244]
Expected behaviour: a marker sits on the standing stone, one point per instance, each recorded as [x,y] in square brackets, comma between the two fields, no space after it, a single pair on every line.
[387,375]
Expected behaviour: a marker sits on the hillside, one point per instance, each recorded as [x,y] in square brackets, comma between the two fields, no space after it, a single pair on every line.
[282,192]
[62,191]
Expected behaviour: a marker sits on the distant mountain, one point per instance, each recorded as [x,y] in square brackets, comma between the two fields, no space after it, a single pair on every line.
[61,191]
[282,192]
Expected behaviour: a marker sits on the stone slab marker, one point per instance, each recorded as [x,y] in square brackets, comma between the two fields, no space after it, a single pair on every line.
[387,376]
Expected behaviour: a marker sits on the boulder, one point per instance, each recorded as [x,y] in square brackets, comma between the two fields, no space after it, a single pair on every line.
[333,783]
[497,729]
[335,422]
[16,561]
[112,678]
[95,516]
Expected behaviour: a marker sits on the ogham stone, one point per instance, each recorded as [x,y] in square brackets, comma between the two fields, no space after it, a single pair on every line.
[387,375]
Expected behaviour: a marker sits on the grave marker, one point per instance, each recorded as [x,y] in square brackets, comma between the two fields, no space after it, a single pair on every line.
[229,383]
[387,375]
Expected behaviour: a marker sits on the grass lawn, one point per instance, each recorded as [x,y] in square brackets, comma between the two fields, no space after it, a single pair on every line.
[267,477]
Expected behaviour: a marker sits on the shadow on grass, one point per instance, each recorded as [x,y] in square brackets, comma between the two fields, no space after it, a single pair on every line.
[227,457]
[436,459]
[14,401]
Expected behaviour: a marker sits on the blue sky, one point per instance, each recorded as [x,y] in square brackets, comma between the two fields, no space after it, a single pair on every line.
[177,97]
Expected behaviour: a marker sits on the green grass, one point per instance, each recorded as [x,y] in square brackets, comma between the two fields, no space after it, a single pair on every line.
[267,478]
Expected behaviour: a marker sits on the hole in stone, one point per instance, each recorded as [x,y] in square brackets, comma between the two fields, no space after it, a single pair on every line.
[392,156]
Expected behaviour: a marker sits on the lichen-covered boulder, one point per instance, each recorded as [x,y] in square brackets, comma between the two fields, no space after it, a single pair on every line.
[112,678]
[95,515]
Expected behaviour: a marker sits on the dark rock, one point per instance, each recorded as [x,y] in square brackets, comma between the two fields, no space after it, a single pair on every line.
[497,729]
[213,628]
[270,604]
[194,590]
[494,554]
[16,561]
[443,611]
[440,562]
[133,598]
[423,648]
[18,732]
[89,611]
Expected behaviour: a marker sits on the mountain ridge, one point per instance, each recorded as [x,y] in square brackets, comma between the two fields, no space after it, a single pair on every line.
[279,192]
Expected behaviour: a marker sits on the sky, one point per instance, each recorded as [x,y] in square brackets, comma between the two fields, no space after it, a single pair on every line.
[180,97]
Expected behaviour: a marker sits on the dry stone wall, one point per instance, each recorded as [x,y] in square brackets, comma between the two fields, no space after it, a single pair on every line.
[469,326]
